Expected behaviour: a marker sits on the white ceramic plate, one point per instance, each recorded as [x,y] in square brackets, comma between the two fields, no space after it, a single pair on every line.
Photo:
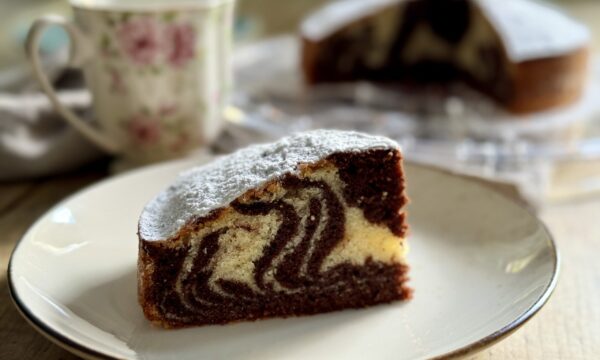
[480,265]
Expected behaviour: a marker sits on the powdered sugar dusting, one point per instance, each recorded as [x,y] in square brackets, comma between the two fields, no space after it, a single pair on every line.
[199,191]
[533,30]
[336,14]
[530,29]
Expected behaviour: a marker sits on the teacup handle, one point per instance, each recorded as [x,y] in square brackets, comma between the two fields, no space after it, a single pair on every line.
[79,53]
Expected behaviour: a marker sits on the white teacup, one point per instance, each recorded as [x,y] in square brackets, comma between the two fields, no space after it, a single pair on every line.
[159,72]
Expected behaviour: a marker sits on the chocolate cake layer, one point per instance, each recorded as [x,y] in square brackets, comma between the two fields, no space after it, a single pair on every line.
[374,182]
[345,286]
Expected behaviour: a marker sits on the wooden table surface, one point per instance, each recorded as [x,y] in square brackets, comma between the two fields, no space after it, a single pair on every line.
[568,327]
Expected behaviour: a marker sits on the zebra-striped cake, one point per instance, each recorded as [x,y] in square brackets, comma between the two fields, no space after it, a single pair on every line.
[309,224]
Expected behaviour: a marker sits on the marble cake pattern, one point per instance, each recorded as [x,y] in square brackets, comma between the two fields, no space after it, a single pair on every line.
[324,234]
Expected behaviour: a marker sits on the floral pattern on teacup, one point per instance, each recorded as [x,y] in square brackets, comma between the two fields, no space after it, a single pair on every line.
[180,44]
[140,40]
[143,129]
[162,129]
[148,40]
[165,76]
[117,85]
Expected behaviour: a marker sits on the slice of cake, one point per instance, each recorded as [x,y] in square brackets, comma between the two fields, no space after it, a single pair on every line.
[309,224]
[526,55]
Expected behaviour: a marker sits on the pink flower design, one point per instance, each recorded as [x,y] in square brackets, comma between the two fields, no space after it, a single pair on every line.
[180,143]
[140,39]
[144,130]
[117,84]
[180,42]
[167,110]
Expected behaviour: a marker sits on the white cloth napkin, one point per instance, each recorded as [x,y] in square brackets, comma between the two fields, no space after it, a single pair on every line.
[35,141]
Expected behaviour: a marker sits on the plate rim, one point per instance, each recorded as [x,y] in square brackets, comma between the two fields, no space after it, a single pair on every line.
[88,352]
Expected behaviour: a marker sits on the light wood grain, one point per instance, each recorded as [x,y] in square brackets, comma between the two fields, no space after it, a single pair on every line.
[20,205]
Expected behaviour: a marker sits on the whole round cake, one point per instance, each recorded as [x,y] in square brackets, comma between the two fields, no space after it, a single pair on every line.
[527,55]
[309,224]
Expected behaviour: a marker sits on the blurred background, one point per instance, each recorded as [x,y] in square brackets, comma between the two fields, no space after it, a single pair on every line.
[253,21]
[16,16]
[557,165]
